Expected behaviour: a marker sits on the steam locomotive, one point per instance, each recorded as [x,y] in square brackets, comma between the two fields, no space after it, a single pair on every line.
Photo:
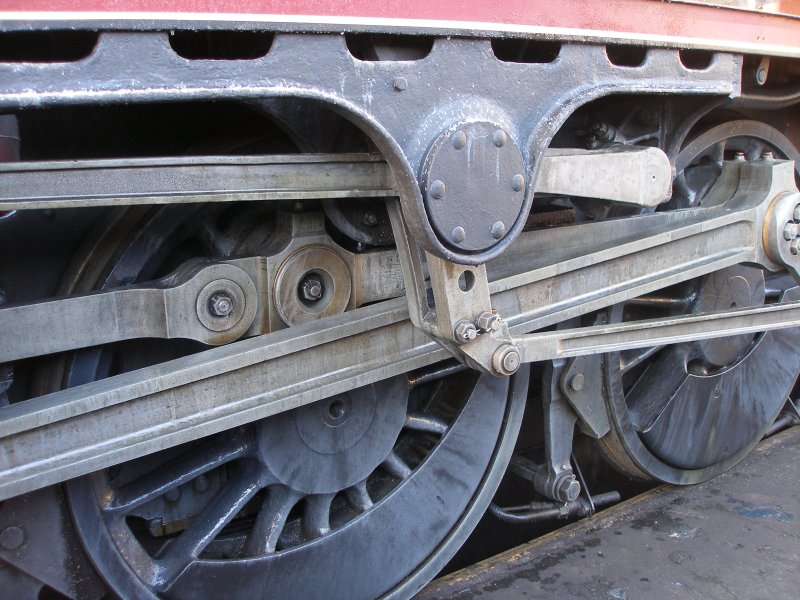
[286,288]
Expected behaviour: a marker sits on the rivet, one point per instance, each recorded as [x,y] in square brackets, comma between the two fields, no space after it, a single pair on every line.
[173,495]
[498,230]
[459,140]
[500,138]
[437,189]
[458,234]
[12,537]
[400,83]
[518,183]
[577,381]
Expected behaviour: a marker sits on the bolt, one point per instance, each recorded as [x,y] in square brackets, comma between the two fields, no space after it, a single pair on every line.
[498,230]
[201,484]
[567,489]
[767,155]
[12,537]
[400,84]
[761,76]
[790,231]
[487,321]
[518,183]
[459,140]
[739,156]
[795,247]
[173,495]
[458,234]
[500,138]
[437,189]
[464,332]
[220,304]
[506,360]
[312,289]
[370,219]
[796,215]
[577,381]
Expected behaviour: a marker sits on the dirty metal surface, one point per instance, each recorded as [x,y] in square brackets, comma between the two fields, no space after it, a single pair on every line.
[737,536]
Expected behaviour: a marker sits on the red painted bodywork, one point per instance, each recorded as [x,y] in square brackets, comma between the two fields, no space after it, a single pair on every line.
[651,17]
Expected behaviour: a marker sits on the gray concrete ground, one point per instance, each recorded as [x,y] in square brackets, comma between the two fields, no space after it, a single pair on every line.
[736,537]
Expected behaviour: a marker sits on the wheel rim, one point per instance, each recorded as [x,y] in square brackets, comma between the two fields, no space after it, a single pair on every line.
[388,498]
[685,413]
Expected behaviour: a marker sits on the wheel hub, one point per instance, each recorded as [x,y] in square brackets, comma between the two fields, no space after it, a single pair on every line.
[735,287]
[328,446]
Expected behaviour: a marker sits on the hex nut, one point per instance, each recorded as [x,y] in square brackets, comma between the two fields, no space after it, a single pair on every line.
[312,289]
[400,84]
[488,322]
[795,247]
[464,332]
[220,304]
[796,214]
[567,489]
[790,231]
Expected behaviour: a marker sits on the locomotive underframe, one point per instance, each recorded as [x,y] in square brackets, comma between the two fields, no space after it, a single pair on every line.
[523,283]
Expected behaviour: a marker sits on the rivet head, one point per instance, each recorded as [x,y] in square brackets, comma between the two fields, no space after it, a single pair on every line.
[458,234]
[577,382]
[173,495]
[437,189]
[500,138]
[517,183]
[459,140]
[12,537]
[498,230]
[400,83]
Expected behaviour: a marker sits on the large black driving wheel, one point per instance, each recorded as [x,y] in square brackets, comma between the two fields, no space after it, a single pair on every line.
[364,494]
[685,413]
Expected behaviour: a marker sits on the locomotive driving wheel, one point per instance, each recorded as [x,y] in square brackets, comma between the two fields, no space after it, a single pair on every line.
[685,413]
[364,494]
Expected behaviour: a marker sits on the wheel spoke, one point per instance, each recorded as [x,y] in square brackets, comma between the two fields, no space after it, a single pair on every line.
[316,520]
[263,538]
[205,526]
[654,390]
[632,358]
[396,466]
[359,497]
[176,472]
[425,423]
